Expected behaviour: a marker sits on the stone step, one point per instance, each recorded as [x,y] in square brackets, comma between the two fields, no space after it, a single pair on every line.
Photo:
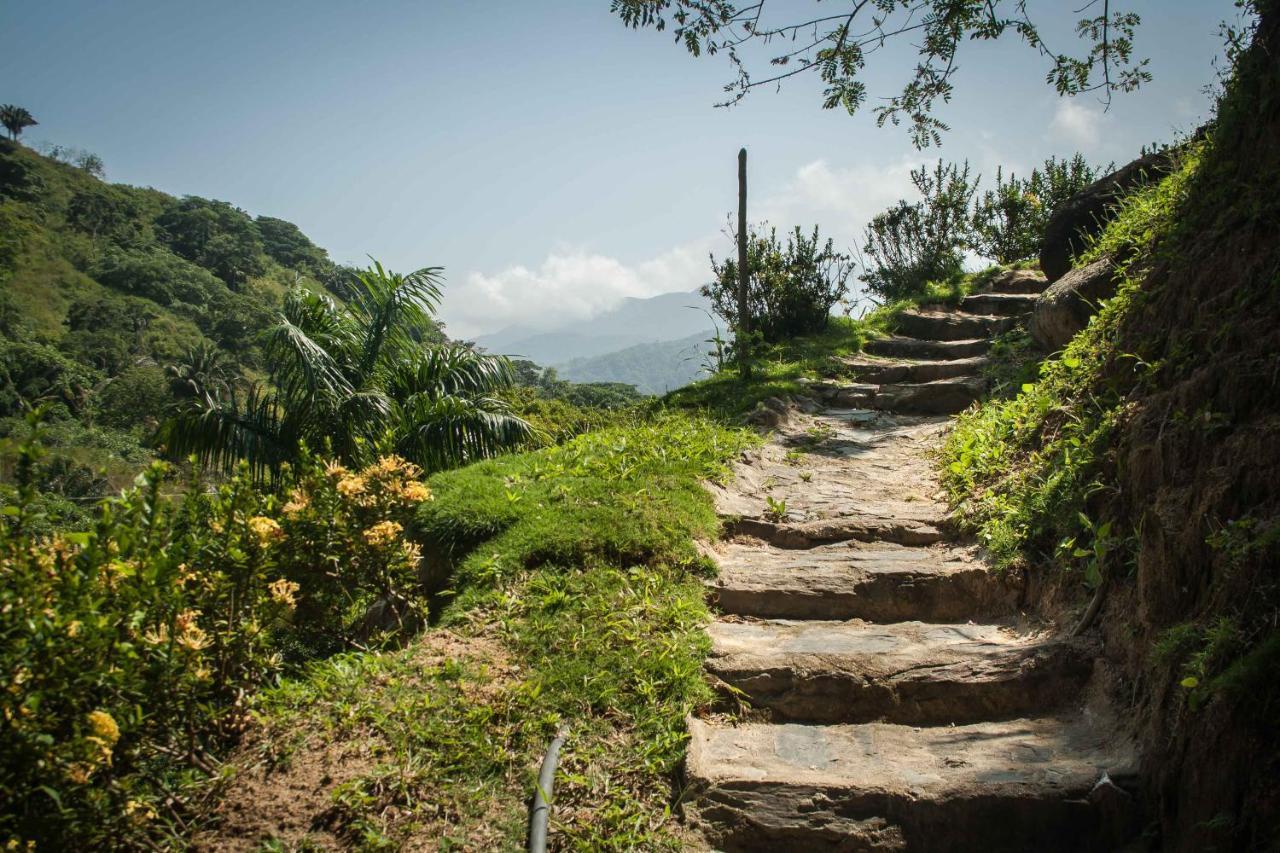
[875,581]
[906,672]
[1016,786]
[940,397]
[898,346]
[1003,304]
[943,325]
[1019,281]
[853,525]
[882,372]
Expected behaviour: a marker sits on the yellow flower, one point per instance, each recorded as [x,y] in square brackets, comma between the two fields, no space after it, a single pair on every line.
[282,592]
[350,487]
[412,550]
[266,529]
[104,726]
[416,492]
[139,812]
[189,634]
[73,628]
[298,501]
[335,469]
[382,533]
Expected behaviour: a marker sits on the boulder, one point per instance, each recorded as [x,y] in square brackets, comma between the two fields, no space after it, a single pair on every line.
[1066,306]
[1087,212]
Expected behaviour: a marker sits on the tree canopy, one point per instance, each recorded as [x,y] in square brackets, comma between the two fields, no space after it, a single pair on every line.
[835,44]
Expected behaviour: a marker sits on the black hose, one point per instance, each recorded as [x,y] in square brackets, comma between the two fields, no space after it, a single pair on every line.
[540,812]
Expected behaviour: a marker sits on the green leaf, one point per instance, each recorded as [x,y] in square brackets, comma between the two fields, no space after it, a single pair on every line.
[1071,361]
[1028,387]
[10,510]
[1190,682]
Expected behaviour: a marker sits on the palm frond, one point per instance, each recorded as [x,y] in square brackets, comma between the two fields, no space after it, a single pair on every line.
[221,431]
[446,431]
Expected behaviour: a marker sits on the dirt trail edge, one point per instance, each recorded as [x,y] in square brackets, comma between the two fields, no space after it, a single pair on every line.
[899,698]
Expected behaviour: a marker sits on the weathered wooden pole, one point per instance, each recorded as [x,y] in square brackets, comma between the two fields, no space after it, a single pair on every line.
[743,337]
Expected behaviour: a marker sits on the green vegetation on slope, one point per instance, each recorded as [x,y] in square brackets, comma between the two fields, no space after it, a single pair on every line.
[1028,474]
[573,596]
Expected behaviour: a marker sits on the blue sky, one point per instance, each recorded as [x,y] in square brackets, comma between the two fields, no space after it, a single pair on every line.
[550,159]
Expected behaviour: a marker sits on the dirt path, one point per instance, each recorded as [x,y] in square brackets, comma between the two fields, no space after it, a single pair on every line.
[899,698]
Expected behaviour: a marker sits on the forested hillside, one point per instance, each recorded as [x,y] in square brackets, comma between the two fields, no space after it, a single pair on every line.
[118,302]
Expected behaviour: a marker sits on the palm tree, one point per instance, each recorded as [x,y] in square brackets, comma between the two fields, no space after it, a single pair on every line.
[202,370]
[15,120]
[354,381]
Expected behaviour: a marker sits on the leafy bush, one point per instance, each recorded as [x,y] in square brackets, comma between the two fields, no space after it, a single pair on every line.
[129,649]
[911,245]
[790,289]
[1009,221]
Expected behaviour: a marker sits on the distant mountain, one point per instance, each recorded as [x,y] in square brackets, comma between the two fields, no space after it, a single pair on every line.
[653,368]
[658,319]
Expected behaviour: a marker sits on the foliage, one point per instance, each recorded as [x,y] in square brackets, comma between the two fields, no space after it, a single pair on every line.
[1027,473]
[911,245]
[16,119]
[1009,221]
[356,379]
[790,289]
[215,235]
[128,648]
[835,44]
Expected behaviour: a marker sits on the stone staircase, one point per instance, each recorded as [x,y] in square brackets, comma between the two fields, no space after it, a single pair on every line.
[894,696]
[934,364]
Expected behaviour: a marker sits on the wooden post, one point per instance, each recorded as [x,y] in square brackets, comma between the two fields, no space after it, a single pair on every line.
[743,339]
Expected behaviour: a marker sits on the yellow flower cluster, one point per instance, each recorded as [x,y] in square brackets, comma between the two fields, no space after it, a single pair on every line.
[282,592]
[188,632]
[382,534]
[105,735]
[298,501]
[266,529]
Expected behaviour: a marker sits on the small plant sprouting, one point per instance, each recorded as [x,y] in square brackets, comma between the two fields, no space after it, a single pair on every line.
[777,510]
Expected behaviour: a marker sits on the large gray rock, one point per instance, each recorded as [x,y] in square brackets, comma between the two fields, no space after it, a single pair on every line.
[1065,308]
[1088,211]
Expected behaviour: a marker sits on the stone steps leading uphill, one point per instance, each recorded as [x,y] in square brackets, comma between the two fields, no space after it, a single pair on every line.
[897,698]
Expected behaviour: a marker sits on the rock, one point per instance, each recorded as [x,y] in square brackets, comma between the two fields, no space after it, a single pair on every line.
[1088,211]
[1018,281]
[1065,308]
[765,417]
[942,325]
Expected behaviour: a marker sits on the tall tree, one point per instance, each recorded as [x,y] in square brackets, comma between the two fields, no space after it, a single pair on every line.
[835,44]
[357,380]
[16,119]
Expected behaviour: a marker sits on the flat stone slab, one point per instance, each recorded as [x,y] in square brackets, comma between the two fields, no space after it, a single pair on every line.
[940,397]
[906,672]
[899,346]
[1019,281]
[836,477]
[947,325]
[890,371]
[875,581]
[1015,785]
[1004,304]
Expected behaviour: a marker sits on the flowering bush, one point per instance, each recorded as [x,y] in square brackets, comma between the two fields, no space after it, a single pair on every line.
[127,652]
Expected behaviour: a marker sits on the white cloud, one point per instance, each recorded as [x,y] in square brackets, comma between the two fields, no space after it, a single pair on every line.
[839,199]
[570,284]
[1077,123]
[574,283]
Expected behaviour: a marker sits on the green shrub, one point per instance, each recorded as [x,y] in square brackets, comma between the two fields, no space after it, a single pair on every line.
[1009,221]
[129,649]
[911,245]
[790,289]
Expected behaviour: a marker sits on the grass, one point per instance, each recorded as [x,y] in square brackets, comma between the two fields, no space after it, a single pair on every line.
[574,596]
